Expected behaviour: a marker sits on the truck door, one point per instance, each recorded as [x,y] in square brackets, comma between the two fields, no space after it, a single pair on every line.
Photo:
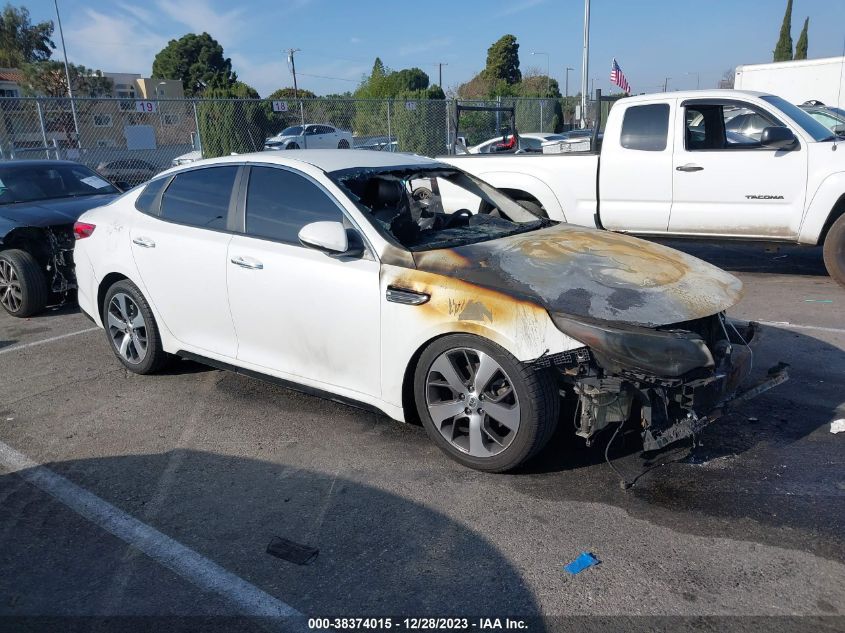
[635,186]
[725,182]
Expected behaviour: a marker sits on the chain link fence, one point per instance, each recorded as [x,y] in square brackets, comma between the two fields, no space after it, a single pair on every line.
[130,140]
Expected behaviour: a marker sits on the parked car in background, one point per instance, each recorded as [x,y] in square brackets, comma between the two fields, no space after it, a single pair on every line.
[39,202]
[527,142]
[127,172]
[310,136]
[329,271]
[832,118]
[191,157]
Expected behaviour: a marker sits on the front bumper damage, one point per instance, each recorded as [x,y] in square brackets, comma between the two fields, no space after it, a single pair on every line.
[675,380]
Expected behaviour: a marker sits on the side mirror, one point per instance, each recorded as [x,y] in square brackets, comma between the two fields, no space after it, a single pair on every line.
[778,137]
[331,238]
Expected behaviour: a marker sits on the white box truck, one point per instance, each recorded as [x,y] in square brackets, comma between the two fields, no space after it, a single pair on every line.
[796,81]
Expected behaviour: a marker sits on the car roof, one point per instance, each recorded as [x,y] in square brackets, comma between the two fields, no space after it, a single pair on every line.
[327,160]
[39,163]
[716,93]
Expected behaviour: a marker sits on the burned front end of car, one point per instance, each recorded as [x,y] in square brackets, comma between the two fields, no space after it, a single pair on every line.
[676,378]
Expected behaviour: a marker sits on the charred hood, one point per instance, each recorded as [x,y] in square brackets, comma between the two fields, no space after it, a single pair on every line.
[592,274]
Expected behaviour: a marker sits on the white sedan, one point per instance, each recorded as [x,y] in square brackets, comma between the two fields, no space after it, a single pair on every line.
[528,142]
[404,284]
[310,136]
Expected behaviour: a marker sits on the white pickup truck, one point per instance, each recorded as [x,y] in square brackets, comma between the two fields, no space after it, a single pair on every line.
[723,164]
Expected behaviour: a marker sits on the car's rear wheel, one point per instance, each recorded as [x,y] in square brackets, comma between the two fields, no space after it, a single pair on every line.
[131,329]
[481,406]
[292,146]
[834,250]
[343,144]
[23,286]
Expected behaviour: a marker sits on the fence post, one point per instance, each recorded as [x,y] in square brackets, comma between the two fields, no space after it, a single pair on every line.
[448,103]
[389,133]
[43,130]
[197,124]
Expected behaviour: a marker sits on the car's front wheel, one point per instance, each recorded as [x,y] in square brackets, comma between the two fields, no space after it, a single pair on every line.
[343,144]
[292,146]
[23,286]
[131,329]
[481,406]
[834,250]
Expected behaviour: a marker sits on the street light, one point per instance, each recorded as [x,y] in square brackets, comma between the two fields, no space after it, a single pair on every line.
[548,86]
[567,79]
[697,78]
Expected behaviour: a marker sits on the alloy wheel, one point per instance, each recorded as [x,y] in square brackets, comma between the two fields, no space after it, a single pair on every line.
[11,295]
[127,328]
[472,402]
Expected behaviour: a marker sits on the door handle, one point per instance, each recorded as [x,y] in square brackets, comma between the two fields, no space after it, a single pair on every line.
[143,242]
[247,263]
[689,167]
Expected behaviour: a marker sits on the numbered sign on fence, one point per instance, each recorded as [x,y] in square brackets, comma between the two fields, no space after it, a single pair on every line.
[280,106]
[145,106]
[411,105]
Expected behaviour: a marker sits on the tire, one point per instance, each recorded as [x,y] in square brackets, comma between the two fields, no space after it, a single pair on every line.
[292,146]
[125,306]
[496,447]
[23,285]
[533,207]
[834,250]
[343,144]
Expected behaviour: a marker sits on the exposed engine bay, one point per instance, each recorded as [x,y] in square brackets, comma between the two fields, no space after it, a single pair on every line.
[677,379]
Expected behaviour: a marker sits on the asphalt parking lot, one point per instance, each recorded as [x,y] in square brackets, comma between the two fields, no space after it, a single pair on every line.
[130,497]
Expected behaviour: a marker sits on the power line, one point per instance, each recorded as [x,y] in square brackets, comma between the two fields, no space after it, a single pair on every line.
[291,52]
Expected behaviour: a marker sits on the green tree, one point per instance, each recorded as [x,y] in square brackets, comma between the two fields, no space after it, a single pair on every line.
[198,61]
[288,93]
[232,119]
[47,78]
[21,41]
[803,41]
[503,61]
[783,50]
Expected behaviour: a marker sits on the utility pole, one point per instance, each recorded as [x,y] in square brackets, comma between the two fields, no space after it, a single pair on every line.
[567,81]
[291,52]
[67,75]
[666,84]
[697,79]
[585,63]
[440,66]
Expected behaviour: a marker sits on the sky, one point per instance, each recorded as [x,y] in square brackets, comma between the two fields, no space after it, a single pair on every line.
[684,40]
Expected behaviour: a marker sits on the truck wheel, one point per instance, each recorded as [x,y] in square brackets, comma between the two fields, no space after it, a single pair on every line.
[834,250]
[481,406]
[23,286]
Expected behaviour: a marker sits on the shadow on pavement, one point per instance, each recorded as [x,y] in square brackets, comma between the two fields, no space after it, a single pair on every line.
[379,554]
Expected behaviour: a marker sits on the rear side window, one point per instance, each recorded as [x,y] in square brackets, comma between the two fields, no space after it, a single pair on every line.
[646,127]
[200,197]
[146,202]
[279,203]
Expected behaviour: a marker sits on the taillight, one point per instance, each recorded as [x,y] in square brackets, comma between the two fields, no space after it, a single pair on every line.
[81,230]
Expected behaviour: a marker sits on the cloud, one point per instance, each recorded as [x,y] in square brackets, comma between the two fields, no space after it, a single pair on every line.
[113,44]
[268,75]
[428,45]
[227,26]
[518,7]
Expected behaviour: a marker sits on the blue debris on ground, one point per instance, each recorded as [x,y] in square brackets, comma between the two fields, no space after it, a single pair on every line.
[586,559]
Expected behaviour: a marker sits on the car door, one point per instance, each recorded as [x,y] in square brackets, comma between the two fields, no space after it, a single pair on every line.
[296,310]
[725,183]
[313,138]
[635,185]
[181,257]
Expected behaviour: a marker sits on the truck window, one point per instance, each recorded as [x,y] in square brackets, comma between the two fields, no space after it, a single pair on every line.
[721,126]
[645,128]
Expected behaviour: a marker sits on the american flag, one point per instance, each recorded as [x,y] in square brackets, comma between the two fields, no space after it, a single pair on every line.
[618,77]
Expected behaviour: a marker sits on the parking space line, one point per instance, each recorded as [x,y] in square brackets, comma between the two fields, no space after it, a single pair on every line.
[796,326]
[15,348]
[193,567]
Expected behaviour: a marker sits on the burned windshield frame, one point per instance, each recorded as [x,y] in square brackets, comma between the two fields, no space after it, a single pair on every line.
[504,216]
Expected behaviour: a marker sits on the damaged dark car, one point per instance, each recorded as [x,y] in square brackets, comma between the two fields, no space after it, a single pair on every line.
[39,203]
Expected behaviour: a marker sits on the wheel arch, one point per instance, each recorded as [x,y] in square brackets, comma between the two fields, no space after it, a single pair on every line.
[107,282]
[527,187]
[835,213]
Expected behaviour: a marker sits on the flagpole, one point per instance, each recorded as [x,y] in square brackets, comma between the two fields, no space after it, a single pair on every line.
[67,74]
[585,64]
